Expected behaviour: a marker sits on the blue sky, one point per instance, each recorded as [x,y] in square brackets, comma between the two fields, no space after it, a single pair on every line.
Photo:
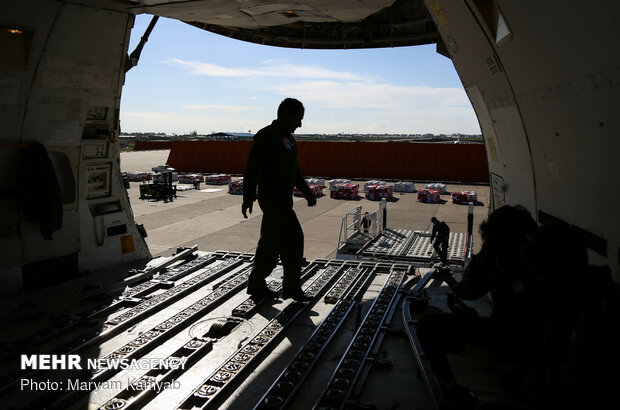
[190,79]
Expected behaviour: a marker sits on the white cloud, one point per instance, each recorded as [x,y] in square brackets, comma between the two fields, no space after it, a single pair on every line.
[375,96]
[335,102]
[214,107]
[271,69]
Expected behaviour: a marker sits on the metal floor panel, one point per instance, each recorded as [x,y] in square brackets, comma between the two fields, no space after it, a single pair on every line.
[413,246]
[188,337]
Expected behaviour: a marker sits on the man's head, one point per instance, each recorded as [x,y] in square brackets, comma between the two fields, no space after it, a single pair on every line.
[290,113]
[434,220]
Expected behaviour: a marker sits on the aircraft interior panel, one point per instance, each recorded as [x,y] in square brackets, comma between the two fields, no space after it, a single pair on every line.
[567,106]
[66,97]
[474,59]
[551,107]
[494,158]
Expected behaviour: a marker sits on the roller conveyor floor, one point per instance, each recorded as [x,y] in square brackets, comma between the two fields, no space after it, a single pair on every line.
[186,336]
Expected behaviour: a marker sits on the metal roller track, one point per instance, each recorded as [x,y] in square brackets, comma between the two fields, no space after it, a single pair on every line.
[152,338]
[288,383]
[112,327]
[146,341]
[145,387]
[162,300]
[170,275]
[350,366]
[142,389]
[248,306]
[343,285]
[128,299]
[234,367]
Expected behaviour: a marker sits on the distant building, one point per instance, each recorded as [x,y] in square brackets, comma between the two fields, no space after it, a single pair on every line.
[229,136]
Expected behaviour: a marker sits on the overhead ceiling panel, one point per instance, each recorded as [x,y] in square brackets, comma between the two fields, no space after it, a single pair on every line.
[322,24]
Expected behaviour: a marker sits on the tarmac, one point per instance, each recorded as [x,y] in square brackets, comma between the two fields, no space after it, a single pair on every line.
[211,217]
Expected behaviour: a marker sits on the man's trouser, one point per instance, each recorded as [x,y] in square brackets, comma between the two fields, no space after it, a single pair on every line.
[280,235]
[441,247]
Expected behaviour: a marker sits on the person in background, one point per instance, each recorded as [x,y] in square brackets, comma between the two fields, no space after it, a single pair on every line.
[441,232]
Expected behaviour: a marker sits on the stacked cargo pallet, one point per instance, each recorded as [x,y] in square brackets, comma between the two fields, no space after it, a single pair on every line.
[404,186]
[428,196]
[217,179]
[344,191]
[378,192]
[317,190]
[464,197]
[236,187]
[190,178]
[139,176]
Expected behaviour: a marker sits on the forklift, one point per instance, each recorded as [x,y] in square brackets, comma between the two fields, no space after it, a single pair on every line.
[161,188]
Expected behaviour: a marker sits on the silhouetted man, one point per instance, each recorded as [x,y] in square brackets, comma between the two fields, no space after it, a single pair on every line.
[273,167]
[441,232]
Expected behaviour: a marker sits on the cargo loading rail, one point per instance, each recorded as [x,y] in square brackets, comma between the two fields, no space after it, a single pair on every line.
[244,334]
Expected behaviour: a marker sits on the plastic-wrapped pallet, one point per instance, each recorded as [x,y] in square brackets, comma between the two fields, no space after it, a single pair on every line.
[190,178]
[139,176]
[217,179]
[334,182]
[428,195]
[369,184]
[160,177]
[377,192]
[317,190]
[236,187]
[344,191]
[436,186]
[464,197]
[404,186]
[315,181]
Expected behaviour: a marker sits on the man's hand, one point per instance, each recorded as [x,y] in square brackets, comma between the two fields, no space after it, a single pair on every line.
[246,206]
[311,199]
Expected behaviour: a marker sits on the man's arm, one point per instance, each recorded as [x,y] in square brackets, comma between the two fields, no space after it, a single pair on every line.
[434,232]
[253,168]
[302,185]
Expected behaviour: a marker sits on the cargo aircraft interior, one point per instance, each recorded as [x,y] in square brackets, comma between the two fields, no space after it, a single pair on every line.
[80,284]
